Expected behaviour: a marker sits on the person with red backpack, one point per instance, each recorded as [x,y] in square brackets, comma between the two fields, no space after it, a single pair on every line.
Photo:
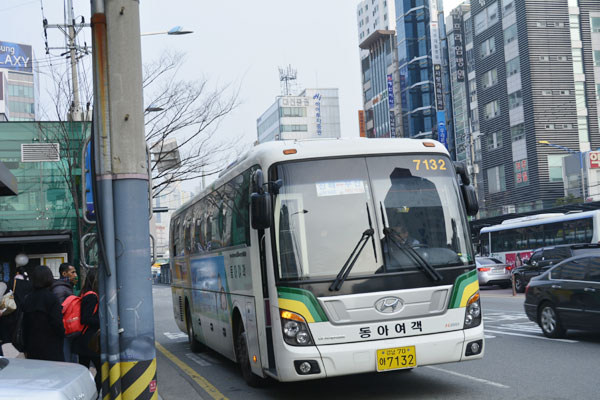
[84,344]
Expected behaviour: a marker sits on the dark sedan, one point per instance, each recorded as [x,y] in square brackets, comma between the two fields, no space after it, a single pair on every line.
[566,297]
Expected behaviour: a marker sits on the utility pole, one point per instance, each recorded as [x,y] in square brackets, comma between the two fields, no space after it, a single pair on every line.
[126,312]
[70,29]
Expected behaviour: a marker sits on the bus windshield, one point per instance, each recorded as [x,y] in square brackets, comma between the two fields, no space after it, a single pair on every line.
[324,208]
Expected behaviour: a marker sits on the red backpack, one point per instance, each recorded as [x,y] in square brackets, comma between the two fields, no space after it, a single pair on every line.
[71,309]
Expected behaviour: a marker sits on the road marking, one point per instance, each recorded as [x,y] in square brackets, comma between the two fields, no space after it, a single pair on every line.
[480,380]
[199,379]
[489,337]
[531,336]
[179,336]
[197,360]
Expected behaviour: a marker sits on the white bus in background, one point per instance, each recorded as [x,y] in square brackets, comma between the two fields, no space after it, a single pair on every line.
[517,238]
[291,264]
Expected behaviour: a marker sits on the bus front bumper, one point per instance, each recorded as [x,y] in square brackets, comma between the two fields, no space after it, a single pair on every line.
[356,358]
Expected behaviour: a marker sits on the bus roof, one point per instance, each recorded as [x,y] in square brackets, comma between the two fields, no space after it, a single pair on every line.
[539,221]
[269,153]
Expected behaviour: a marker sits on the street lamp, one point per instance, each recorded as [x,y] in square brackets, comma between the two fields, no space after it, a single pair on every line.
[178,30]
[581,154]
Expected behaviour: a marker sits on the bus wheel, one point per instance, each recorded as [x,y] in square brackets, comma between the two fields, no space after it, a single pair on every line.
[241,351]
[195,345]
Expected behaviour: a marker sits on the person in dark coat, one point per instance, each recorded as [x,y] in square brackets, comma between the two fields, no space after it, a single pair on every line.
[63,286]
[42,319]
[83,344]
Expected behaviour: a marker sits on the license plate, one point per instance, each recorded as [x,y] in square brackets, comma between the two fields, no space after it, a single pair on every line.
[498,271]
[396,358]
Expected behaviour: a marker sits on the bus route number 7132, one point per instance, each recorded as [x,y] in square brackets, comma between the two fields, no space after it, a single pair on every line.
[430,164]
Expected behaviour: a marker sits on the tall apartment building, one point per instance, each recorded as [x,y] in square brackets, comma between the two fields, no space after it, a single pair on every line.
[315,113]
[379,66]
[532,72]
[17,83]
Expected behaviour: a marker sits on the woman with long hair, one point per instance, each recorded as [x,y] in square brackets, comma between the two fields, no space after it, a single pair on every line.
[43,329]
[84,345]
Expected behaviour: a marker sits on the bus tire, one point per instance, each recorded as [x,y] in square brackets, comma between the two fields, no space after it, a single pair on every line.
[195,345]
[243,358]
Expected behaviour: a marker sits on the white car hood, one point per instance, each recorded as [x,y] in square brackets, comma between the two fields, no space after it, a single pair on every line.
[23,379]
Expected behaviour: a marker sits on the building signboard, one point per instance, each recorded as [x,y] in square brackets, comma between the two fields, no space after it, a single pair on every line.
[594,159]
[16,57]
[442,132]
[317,98]
[391,101]
[361,123]
[459,56]
[439,87]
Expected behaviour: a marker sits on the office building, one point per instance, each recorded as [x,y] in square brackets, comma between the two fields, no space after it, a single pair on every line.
[381,115]
[315,113]
[532,72]
[17,83]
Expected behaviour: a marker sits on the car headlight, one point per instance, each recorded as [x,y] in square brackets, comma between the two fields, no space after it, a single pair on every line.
[295,329]
[473,312]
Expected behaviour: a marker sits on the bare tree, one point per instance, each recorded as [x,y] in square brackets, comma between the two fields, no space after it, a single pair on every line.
[182,119]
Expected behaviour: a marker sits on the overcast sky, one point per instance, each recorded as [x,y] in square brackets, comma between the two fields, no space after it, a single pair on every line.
[234,42]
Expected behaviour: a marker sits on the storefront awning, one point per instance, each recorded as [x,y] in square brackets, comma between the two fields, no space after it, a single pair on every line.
[8,182]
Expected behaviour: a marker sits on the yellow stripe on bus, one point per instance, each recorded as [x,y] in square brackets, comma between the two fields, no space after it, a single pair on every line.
[296,306]
[469,291]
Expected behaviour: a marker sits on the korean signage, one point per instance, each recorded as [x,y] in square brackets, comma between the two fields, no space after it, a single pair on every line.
[361,123]
[16,57]
[594,159]
[521,173]
[294,101]
[390,90]
[459,56]
[439,87]
[442,132]
[317,98]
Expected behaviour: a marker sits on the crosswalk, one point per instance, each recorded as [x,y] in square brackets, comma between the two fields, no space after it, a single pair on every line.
[513,324]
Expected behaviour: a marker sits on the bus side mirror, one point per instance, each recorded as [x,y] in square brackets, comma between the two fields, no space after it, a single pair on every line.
[260,208]
[470,199]
[260,202]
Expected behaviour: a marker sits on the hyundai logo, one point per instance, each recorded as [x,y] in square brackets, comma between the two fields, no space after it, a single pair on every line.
[388,305]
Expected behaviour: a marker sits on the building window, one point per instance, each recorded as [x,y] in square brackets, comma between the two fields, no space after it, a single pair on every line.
[595,24]
[513,66]
[549,126]
[546,92]
[508,6]
[492,110]
[515,100]
[494,141]
[597,58]
[517,132]
[487,48]
[496,179]
[597,91]
[565,92]
[544,58]
[294,128]
[473,90]
[510,34]
[555,167]
[292,112]
[486,18]
[562,58]
[489,78]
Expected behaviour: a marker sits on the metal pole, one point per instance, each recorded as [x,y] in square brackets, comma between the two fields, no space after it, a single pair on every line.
[582,176]
[108,310]
[75,111]
[130,197]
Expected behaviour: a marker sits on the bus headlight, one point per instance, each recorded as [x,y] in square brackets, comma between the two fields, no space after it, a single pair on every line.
[473,312]
[295,329]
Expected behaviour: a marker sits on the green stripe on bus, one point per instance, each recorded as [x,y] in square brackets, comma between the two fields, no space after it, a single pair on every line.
[305,297]
[459,286]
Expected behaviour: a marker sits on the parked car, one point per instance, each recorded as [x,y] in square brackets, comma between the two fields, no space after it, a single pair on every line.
[492,271]
[44,380]
[566,297]
[545,258]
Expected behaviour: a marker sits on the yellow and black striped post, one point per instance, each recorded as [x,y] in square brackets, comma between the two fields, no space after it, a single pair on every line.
[134,380]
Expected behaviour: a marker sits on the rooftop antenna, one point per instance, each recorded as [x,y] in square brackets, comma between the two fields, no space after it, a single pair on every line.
[286,76]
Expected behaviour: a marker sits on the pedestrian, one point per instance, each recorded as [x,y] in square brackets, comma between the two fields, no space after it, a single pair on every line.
[43,329]
[3,327]
[86,344]
[21,274]
[63,288]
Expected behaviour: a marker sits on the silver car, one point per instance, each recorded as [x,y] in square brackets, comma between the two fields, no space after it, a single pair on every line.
[492,271]
[22,379]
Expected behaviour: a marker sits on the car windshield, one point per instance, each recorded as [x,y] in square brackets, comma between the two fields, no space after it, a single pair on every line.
[325,206]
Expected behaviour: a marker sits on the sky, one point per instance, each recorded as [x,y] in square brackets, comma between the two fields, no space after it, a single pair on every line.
[235,43]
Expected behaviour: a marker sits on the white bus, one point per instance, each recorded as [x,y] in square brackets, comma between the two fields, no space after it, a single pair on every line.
[290,265]
[519,237]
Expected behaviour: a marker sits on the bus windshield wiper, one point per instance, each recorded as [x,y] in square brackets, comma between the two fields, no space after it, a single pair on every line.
[345,271]
[409,251]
